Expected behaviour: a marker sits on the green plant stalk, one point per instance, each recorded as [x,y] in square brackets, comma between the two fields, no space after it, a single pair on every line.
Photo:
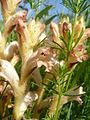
[73,29]
[68,82]
[60,91]
[58,102]
[57,108]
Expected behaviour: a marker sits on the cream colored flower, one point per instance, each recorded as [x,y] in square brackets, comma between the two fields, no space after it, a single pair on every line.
[78,52]
[59,30]
[29,36]
[9,51]
[73,94]
[9,7]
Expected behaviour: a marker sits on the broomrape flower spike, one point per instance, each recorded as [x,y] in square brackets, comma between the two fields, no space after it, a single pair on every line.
[29,36]
[41,57]
[78,53]
[19,84]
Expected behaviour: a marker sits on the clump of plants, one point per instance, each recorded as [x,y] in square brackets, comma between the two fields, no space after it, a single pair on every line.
[36,68]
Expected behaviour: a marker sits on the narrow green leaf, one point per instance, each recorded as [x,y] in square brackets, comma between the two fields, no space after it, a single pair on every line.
[64,41]
[54,91]
[50,19]
[83,7]
[70,5]
[43,12]
[69,112]
[81,4]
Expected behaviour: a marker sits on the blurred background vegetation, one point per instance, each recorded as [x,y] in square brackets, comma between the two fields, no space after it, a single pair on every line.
[46,11]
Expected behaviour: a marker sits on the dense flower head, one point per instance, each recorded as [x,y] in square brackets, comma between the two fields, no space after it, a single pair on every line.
[63,30]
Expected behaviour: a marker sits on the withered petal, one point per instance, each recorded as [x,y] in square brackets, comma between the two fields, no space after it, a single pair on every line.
[10,50]
[8,72]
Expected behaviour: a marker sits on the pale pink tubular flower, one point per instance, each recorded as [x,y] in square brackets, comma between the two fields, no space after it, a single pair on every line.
[56,34]
[73,94]
[8,51]
[64,27]
[85,35]
[22,99]
[9,7]
[79,27]
[78,52]
[13,20]
[29,36]
[41,57]
[60,30]
[36,29]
